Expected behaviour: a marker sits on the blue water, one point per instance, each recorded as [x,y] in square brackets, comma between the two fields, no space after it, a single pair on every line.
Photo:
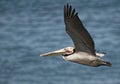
[29,28]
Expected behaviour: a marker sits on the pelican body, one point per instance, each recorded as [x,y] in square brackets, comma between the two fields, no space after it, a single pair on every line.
[84,51]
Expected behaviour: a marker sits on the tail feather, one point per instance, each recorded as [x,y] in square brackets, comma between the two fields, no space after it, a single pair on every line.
[107,63]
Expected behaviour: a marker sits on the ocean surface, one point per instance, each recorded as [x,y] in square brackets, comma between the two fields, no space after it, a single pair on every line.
[29,28]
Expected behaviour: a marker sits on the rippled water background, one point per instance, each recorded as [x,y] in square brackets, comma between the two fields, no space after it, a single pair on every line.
[31,27]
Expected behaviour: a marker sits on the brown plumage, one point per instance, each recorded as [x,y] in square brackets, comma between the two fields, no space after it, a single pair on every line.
[84,51]
[74,27]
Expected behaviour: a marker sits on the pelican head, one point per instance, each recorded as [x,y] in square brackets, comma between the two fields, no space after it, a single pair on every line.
[64,52]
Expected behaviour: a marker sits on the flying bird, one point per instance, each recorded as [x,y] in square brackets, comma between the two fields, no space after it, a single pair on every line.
[84,51]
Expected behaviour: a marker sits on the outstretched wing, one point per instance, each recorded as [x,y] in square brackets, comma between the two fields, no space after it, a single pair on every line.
[75,29]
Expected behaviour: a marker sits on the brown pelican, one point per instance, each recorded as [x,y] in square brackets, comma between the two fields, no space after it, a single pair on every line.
[84,51]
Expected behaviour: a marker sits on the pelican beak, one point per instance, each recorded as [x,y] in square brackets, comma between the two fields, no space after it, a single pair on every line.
[54,53]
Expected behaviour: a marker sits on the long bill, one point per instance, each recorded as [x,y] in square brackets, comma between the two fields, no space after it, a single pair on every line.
[54,53]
